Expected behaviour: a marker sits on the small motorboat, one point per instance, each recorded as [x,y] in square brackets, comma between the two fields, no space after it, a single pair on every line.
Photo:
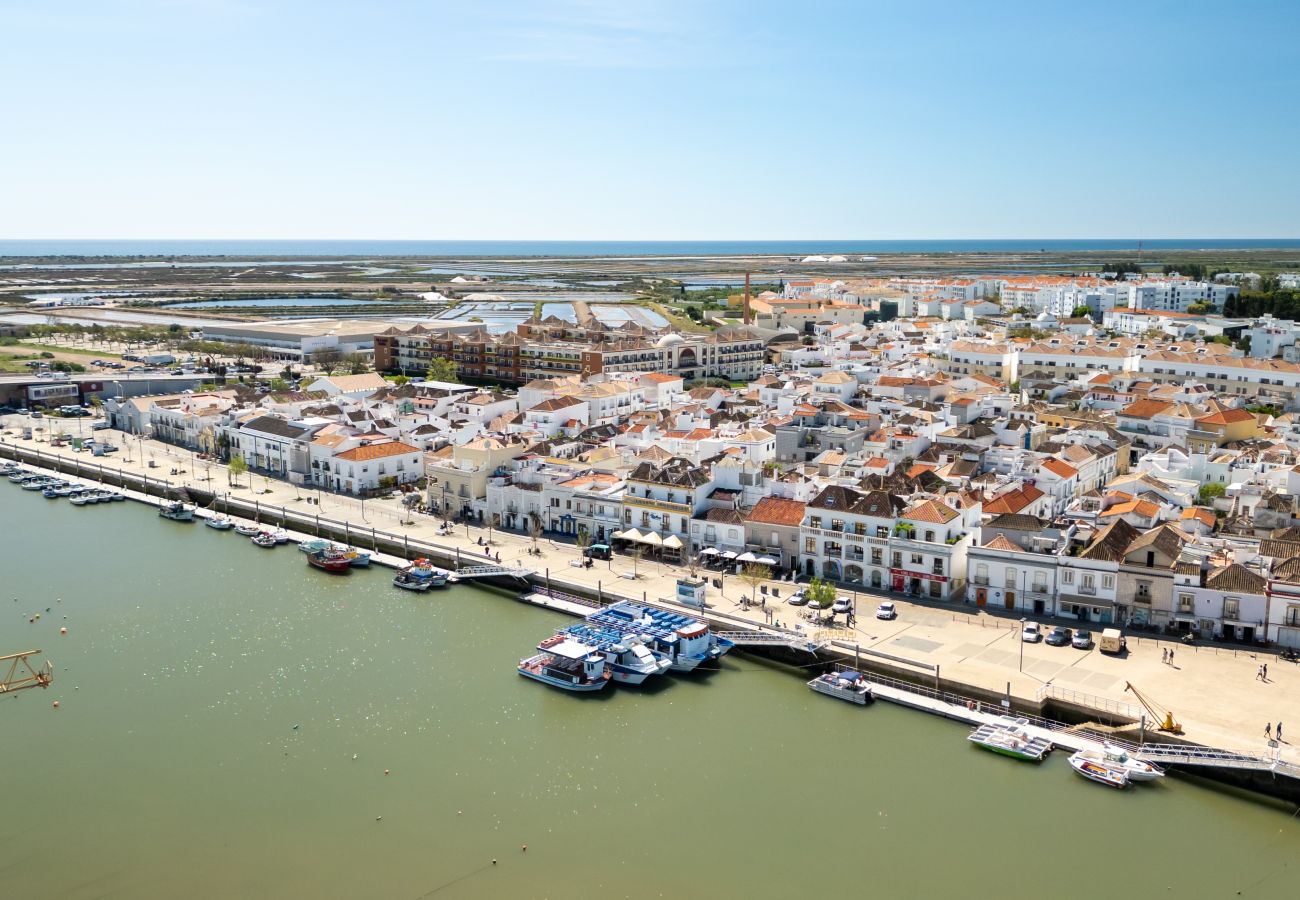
[424,570]
[263,539]
[219,522]
[177,512]
[247,529]
[281,536]
[407,582]
[334,563]
[116,496]
[1010,736]
[36,484]
[1101,772]
[1136,769]
[844,685]
[81,499]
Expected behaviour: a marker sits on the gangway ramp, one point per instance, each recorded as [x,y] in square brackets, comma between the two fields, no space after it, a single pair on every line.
[767,639]
[493,572]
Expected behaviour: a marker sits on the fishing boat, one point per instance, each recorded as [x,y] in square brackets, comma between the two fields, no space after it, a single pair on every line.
[629,657]
[177,512]
[845,685]
[281,536]
[1102,772]
[247,529]
[423,570]
[568,665]
[1136,769]
[329,562]
[408,582]
[219,522]
[263,539]
[316,545]
[1010,736]
[358,559]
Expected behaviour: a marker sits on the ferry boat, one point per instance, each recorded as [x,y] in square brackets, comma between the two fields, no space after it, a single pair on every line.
[845,685]
[263,539]
[687,642]
[329,562]
[568,665]
[1102,772]
[1136,769]
[629,657]
[408,582]
[219,522]
[1010,736]
[177,512]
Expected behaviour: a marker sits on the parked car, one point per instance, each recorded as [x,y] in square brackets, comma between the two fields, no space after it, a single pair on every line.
[1082,640]
[100,426]
[886,611]
[842,605]
[37,414]
[598,551]
[798,598]
[1031,634]
[1059,636]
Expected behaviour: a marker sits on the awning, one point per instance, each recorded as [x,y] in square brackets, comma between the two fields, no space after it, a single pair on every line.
[729,554]
[673,542]
[766,560]
[652,539]
[709,551]
[630,535]
[1090,601]
[746,557]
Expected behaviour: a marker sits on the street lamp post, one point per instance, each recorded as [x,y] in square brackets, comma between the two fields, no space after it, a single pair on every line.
[1022,643]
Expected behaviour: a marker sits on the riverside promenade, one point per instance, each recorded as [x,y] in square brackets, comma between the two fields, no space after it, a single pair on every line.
[1212,691]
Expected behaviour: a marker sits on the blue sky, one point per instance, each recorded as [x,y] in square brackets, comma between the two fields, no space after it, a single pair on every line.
[648,119]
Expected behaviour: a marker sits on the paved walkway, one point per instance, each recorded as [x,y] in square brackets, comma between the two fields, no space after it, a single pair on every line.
[1213,692]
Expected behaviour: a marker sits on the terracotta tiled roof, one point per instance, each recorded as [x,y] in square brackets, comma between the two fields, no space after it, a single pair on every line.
[377,451]
[931,511]
[1001,543]
[777,511]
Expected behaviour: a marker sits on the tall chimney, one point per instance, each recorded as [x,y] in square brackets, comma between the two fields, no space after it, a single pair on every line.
[746,298]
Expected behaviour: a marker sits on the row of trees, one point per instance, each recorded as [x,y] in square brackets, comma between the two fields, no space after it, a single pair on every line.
[1282,304]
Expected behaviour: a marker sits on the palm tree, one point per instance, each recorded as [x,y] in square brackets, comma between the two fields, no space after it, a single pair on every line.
[535,528]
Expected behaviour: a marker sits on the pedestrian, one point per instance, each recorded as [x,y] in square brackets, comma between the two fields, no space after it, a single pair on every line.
[1164,654]
[1268,731]
[1171,656]
[1278,732]
[1259,672]
[1265,671]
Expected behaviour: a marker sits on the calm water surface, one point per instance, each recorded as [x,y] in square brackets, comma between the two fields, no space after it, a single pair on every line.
[174,768]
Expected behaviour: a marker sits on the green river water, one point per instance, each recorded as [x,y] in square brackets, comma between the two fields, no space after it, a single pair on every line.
[173,768]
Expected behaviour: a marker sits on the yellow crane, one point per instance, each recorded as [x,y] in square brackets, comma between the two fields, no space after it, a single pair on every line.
[13,678]
[1158,713]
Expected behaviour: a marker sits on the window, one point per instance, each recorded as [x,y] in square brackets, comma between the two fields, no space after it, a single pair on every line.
[936,589]
[1144,592]
[1067,576]
[1108,581]
[875,556]
[1087,584]
[815,522]
[1011,578]
[810,545]
[1186,603]
[1231,608]
[882,531]
[916,559]
[929,536]
[837,524]
[1040,582]
[898,559]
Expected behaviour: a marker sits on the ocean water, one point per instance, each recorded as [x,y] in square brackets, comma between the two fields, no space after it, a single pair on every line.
[344,249]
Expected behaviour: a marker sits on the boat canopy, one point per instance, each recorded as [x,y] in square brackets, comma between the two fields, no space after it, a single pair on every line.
[570,650]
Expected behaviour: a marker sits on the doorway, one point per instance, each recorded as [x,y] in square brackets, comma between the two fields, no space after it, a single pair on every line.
[1011,600]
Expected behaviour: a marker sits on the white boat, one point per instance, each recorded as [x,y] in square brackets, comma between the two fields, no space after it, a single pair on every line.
[247,529]
[281,536]
[317,545]
[629,657]
[408,582]
[263,539]
[1136,769]
[1010,736]
[219,522]
[1100,771]
[81,499]
[568,665]
[177,512]
[844,685]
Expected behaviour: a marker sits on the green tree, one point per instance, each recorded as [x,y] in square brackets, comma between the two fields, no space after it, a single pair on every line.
[820,593]
[442,369]
[1209,491]
[754,574]
[1080,312]
[236,468]
[356,364]
[1221,339]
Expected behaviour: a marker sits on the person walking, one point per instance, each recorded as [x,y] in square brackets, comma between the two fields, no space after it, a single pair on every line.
[1164,654]
[1171,656]
[1259,672]
[1265,669]
[1268,731]
[1278,731]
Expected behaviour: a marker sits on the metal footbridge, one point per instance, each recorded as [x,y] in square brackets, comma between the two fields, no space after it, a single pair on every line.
[493,572]
[767,639]
[1180,755]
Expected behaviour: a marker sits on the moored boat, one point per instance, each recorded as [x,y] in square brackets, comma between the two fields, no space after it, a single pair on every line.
[247,529]
[568,665]
[844,685]
[263,539]
[1102,772]
[177,512]
[316,545]
[219,522]
[685,641]
[427,571]
[329,562]
[629,657]
[1010,736]
[1136,769]
[408,582]
[281,536]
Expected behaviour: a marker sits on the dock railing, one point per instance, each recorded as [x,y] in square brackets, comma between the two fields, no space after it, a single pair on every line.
[1089,701]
